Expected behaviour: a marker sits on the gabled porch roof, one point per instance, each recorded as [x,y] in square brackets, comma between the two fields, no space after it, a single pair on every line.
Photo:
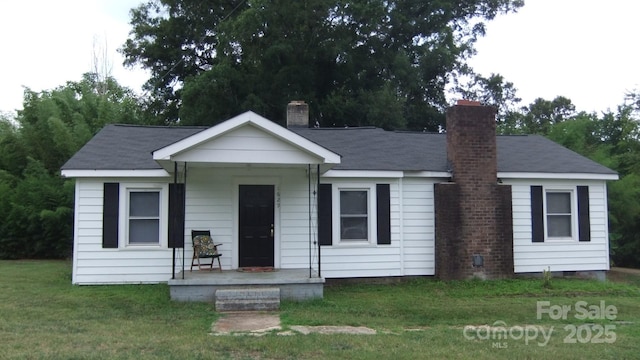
[246,139]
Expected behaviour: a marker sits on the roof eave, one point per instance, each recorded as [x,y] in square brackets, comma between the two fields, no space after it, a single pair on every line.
[546,175]
[106,173]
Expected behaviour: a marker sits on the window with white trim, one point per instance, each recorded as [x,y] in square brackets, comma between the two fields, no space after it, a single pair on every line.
[559,214]
[143,222]
[354,215]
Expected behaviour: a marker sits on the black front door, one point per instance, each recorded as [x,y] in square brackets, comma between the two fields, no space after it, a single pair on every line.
[256,225]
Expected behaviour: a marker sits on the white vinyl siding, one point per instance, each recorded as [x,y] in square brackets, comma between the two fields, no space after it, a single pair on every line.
[93,264]
[246,145]
[418,226]
[559,255]
[211,204]
[356,258]
[411,251]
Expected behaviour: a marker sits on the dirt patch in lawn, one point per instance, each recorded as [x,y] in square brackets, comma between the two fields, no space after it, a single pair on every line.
[246,322]
[624,275]
[261,323]
[353,330]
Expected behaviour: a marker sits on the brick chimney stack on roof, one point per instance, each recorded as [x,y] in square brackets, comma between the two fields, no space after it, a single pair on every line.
[297,114]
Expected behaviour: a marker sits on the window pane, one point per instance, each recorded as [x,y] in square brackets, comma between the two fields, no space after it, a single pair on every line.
[144,231]
[558,203]
[353,228]
[144,204]
[559,225]
[353,202]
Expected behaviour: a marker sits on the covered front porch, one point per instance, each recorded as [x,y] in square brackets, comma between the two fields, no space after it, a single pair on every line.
[252,186]
[201,286]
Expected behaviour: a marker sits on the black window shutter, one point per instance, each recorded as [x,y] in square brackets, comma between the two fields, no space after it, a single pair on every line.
[110,206]
[176,215]
[537,215]
[325,221]
[584,225]
[383,195]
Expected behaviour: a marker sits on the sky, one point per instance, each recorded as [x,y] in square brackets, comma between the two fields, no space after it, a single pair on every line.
[46,43]
[585,50]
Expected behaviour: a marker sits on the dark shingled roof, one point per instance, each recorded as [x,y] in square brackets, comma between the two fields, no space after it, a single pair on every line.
[537,154]
[126,147]
[376,149]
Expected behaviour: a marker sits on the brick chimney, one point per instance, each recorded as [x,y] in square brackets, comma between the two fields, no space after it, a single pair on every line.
[297,114]
[474,227]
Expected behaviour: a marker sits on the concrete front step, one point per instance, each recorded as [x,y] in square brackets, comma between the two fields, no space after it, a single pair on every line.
[248,299]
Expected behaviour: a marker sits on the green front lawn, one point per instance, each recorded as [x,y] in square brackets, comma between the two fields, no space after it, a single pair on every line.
[43,316]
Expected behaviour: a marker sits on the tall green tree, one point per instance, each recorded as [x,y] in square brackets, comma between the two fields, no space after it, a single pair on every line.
[492,91]
[54,124]
[36,204]
[356,62]
[539,117]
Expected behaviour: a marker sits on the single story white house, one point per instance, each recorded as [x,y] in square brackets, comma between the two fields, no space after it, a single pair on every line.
[344,202]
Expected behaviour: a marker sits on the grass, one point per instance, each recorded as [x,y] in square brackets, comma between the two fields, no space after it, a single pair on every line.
[43,316]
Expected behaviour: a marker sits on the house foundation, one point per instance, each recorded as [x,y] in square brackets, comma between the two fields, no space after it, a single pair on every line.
[201,286]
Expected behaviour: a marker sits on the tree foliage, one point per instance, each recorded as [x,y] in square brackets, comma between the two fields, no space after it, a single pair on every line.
[539,117]
[492,91]
[36,203]
[358,62]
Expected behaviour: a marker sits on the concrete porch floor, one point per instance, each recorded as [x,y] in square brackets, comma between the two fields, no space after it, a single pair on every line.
[294,284]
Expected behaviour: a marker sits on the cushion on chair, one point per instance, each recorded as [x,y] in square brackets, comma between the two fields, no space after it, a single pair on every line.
[205,247]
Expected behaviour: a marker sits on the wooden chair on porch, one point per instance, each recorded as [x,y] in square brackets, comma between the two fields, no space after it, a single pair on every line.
[204,248]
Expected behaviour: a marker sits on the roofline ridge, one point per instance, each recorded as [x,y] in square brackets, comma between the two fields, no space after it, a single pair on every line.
[162,126]
[345,128]
[417,132]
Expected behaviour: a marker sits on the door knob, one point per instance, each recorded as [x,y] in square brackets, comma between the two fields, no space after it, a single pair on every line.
[271,230]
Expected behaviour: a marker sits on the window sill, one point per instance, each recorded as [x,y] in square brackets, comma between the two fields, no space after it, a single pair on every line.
[154,247]
[559,240]
[355,244]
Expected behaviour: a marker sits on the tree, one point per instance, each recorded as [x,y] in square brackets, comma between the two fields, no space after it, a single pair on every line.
[624,220]
[539,117]
[579,133]
[37,218]
[14,153]
[36,203]
[355,62]
[542,114]
[492,91]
